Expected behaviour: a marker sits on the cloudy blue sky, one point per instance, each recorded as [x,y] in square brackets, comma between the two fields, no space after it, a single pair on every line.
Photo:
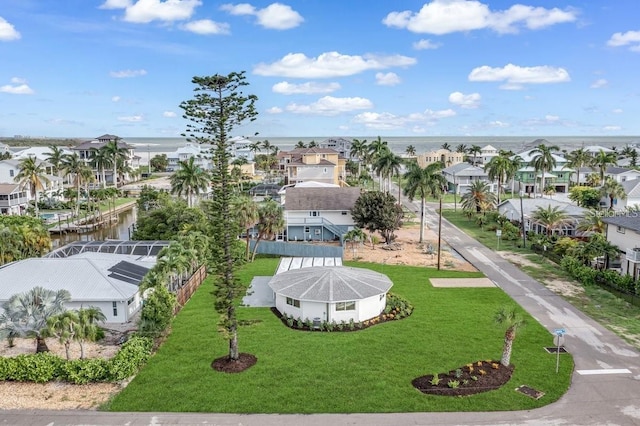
[80,68]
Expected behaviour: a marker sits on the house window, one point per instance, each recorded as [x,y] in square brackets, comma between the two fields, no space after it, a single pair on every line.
[560,176]
[314,214]
[530,175]
[382,296]
[620,229]
[11,173]
[293,302]
[324,170]
[306,230]
[344,213]
[346,306]
[115,309]
[130,301]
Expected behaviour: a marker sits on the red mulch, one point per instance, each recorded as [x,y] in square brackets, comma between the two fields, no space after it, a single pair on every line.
[227,365]
[480,376]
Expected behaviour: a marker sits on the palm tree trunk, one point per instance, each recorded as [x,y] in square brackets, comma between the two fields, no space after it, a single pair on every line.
[255,248]
[81,342]
[36,210]
[41,345]
[104,178]
[247,248]
[422,220]
[509,336]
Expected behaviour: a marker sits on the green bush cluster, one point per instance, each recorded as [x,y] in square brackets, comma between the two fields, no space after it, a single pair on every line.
[587,275]
[45,367]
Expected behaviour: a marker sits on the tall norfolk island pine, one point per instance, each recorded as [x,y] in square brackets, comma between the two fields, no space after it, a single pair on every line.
[217,107]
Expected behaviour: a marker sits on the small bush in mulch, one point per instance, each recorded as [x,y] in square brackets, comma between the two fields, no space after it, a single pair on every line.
[226,365]
[476,377]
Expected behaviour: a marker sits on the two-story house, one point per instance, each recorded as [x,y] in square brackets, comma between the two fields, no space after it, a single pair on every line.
[511,210]
[86,150]
[462,175]
[487,153]
[9,169]
[619,174]
[319,213]
[201,155]
[341,145]
[531,180]
[444,156]
[312,164]
[241,148]
[14,199]
[624,232]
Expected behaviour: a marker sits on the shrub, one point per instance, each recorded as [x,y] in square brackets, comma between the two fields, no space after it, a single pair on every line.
[39,368]
[157,312]
[129,358]
[82,371]
[453,384]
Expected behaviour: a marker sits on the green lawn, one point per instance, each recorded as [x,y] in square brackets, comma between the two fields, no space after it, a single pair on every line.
[365,371]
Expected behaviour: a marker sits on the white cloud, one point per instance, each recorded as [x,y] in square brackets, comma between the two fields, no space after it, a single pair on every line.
[630,38]
[127,73]
[276,16]
[308,88]
[145,11]
[599,83]
[425,44]
[515,76]
[18,86]
[448,16]
[115,98]
[206,27]
[131,118]
[498,123]
[611,128]
[547,120]
[274,110]
[330,105]
[7,31]
[169,114]
[386,120]
[387,79]
[617,111]
[469,101]
[329,64]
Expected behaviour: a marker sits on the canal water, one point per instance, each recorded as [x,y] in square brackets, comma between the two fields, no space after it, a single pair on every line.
[120,231]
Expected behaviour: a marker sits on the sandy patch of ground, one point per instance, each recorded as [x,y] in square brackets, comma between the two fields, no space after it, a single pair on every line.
[461,282]
[56,395]
[411,252]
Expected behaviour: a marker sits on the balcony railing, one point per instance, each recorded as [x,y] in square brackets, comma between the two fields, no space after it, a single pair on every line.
[633,254]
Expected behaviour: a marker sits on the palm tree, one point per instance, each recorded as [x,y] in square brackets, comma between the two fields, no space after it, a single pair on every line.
[543,160]
[255,147]
[54,157]
[355,237]
[516,164]
[602,160]
[445,146]
[267,145]
[101,160]
[593,180]
[358,150]
[577,159]
[87,329]
[461,148]
[478,198]
[387,165]
[513,321]
[74,166]
[498,168]
[115,154]
[475,150]
[592,222]
[612,189]
[410,151]
[64,327]
[631,153]
[10,245]
[422,183]
[551,218]
[189,179]
[270,222]
[300,145]
[173,261]
[246,211]
[26,314]
[376,149]
[33,174]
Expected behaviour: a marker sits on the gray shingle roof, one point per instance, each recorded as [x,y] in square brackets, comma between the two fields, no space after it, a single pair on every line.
[631,188]
[330,283]
[627,220]
[529,205]
[321,198]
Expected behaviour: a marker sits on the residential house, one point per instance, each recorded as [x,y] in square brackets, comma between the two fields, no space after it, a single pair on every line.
[619,174]
[312,164]
[632,190]
[241,148]
[53,185]
[511,210]
[201,155]
[110,282]
[593,150]
[86,151]
[319,214]
[40,152]
[444,156]
[530,179]
[14,199]
[340,145]
[624,232]
[462,175]
[487,153]
[4,148]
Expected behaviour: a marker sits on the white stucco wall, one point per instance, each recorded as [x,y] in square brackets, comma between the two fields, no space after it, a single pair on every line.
[365,309]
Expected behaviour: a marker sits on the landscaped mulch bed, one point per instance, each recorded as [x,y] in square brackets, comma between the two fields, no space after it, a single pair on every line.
[480,376]
[226,365]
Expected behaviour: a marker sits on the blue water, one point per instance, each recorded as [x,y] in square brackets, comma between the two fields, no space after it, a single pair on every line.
[421,143]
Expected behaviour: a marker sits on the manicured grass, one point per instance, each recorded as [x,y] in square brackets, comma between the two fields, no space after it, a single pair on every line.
[612,312]
[365,371]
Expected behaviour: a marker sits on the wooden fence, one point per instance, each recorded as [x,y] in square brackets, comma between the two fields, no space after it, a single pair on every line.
[185,292]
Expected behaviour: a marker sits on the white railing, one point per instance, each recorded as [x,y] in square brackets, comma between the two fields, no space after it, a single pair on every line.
[633,255]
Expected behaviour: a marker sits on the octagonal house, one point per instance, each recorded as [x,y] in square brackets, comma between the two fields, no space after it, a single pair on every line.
[331,293]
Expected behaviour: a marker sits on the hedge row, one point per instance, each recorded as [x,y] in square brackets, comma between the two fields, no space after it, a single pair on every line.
[587,275]
[45,367]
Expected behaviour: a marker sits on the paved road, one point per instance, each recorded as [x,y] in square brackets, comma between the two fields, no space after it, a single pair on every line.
[605,389]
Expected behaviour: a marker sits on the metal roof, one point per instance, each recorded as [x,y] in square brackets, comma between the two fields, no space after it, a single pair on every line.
[138,248]
[330,283]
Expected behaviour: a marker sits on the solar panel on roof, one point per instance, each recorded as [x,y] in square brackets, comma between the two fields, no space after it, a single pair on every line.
[128,272]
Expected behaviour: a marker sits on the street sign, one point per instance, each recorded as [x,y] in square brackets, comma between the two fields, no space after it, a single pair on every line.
[559,331]
[498,232]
